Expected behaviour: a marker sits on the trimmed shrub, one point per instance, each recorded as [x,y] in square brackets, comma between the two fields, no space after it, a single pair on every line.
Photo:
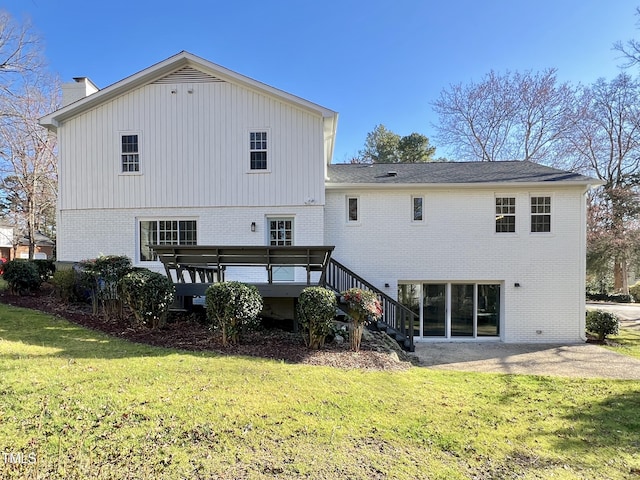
[22,276]
[363,307]
[602,323]
[233,307]
[64,283]
[46,268]
[316,311]
[148,294]
[613,297]
[634,290]
[101,276]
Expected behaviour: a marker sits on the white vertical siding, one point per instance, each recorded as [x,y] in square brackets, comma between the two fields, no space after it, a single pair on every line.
[193,150]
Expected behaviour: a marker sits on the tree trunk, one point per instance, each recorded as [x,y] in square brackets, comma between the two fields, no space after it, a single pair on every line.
[620,276]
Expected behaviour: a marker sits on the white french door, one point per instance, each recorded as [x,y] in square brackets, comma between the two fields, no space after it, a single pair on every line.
[280,233]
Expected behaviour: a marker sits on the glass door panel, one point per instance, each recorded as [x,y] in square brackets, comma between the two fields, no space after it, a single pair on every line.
[488,310]
[409,296]
[434,311]
[462,310]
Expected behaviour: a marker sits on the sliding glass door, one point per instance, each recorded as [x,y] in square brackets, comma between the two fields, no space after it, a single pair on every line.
[488,313]
[453,310]
[462,308]
[434,310]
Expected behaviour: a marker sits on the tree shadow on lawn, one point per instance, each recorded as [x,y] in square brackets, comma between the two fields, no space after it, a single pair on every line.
[82,335]
[610,426]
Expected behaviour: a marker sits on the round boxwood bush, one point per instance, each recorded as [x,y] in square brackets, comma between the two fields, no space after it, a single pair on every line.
[46,268]
[148,294]
[602,323]
[316,312]
[22,276]
[233,307]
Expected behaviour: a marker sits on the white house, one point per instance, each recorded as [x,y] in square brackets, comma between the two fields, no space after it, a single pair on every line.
[187,152]
[6,240]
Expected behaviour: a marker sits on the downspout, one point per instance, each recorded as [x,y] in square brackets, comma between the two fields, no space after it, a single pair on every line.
[582,265]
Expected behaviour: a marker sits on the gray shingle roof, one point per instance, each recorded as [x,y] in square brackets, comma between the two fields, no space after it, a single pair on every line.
[452,173]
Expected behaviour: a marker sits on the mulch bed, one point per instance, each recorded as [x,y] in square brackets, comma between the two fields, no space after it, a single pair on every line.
[187,333]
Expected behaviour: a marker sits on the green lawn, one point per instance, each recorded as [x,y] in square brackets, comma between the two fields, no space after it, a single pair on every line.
[75,404]
[628,342]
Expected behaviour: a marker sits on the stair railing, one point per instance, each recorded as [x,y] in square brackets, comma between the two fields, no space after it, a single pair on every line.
[398,319]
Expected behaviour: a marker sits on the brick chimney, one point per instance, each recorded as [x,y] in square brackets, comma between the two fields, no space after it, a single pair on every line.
[73,91]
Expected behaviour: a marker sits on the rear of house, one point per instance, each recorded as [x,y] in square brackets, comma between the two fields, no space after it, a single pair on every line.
[479,251]
[187,152]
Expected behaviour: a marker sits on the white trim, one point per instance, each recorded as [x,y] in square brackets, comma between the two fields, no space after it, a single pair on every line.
[140,153]
[158,218]
[347,216]
[552,226]
[423,220]
[248,150]
[447,337]
[517,220]
[271,218]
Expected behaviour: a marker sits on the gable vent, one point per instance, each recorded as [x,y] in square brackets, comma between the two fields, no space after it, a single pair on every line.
[188,75]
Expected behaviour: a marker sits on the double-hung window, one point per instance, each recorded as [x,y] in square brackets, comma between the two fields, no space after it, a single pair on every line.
[165,232]
[258,150]
[540,214]
[130,153]
[505,214]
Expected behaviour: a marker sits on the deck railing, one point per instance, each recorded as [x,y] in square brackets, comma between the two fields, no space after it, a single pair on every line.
[397,319]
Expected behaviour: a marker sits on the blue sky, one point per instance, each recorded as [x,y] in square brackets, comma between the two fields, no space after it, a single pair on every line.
[372,61]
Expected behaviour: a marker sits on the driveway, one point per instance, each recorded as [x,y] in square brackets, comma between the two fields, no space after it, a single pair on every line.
[576,361]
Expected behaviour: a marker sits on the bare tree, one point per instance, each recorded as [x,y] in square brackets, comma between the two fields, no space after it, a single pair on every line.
[606,138]
[630,49]
[515,116]
[27,151]
[475,119]
[19,52]
[29,162]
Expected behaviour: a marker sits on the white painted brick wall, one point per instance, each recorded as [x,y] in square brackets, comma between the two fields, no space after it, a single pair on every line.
[85,234]
[457,243]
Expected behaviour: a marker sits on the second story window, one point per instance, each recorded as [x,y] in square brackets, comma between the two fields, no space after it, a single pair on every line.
[130,153]
[505,214]
[540,214]
[352,209]
[258,150]
[418,214]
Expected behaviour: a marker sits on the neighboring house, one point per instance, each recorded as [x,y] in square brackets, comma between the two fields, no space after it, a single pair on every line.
[43,248]
[187,152]
[6,241]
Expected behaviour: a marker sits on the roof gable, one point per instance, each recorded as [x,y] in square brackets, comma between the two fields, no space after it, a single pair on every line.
[186,67]
[183,67]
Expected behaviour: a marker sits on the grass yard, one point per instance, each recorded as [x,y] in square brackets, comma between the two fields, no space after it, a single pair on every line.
[628,342]
[75,404]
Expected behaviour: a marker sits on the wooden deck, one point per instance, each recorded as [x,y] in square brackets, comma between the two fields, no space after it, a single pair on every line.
[194,268]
